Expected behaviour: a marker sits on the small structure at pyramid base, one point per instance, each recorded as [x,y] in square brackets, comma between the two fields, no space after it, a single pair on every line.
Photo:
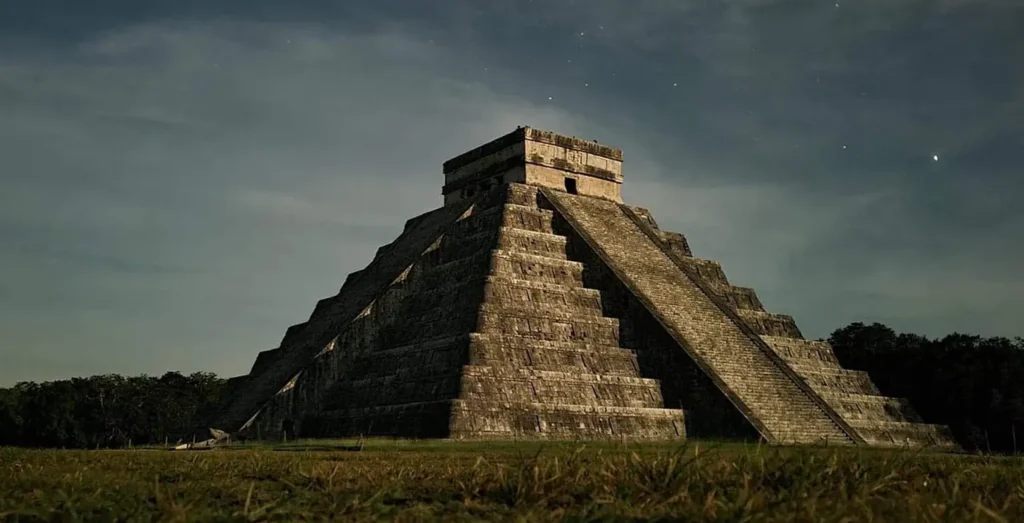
[535,304]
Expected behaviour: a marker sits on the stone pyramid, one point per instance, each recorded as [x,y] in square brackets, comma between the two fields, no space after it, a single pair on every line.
[534,304]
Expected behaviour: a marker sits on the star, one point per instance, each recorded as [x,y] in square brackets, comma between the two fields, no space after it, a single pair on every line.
[935,157]
[675,84]
[844,147]
[549,98]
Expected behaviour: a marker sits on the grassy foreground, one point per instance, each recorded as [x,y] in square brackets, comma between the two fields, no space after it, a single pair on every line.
[508,481]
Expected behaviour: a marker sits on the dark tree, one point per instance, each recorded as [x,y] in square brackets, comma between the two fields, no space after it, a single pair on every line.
[105,411]
[973,384]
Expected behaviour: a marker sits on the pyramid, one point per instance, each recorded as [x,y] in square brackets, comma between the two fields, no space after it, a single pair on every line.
[535,304]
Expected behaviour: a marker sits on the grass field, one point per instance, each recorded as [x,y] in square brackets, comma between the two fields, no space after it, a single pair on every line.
[508,481]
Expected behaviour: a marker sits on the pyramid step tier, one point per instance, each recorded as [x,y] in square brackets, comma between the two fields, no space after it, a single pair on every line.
[739,298]
[461,299]
[507,215]
[503,291]
[453,247]
[867,407]
[538,325]
[536,268]
[709,271]
[712,274]
[429,419]
[770,324]
[832,380]
[532,242]
[531,323]
[803,352]
[412,385]
[528,218]
[905,434]
[525,353]
[504,263]
[497,351]
[513,385]
[450,310]
[481,420]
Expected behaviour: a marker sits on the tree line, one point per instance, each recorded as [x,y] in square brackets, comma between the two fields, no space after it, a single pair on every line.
[108,411]
[971,383]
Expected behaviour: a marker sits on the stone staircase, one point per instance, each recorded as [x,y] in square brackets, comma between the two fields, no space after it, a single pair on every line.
[878,420]
[771,396]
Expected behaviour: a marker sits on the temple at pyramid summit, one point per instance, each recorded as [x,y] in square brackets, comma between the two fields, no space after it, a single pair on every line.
[536,304]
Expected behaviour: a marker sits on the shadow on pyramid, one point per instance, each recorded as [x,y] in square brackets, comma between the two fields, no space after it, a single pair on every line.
[536,305]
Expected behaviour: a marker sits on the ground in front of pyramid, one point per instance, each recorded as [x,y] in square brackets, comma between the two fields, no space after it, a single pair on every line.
[535,304]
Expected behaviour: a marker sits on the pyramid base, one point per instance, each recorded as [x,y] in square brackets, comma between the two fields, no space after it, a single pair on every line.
[482,420]
[536,421]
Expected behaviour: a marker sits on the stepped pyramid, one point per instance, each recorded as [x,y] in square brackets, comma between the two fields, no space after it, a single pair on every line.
[535,304]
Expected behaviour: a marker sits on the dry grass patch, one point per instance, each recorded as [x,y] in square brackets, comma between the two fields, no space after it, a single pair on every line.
[509,481]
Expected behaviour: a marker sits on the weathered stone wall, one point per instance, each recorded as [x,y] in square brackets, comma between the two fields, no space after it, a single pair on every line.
[537,158]
[547,176]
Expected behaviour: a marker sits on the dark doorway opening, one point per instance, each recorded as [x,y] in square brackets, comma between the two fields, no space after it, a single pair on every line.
[570,186]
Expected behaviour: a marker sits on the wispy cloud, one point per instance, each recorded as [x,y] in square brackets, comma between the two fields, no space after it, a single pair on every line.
[177,193]
[179,186]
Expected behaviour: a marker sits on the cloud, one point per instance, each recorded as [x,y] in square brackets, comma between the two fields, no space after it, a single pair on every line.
[178,193]
[186,192]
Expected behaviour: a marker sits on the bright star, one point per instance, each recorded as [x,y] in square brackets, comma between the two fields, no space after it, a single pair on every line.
[935,157]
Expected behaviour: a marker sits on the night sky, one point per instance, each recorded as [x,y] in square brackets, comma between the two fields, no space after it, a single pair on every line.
[181,181]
